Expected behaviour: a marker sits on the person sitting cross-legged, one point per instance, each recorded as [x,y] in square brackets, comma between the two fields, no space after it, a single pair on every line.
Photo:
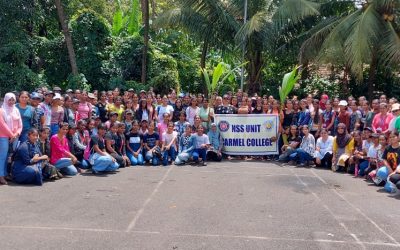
[201,146]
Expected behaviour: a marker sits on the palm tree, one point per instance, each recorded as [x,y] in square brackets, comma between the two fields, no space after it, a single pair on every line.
[370,35]
[220,23]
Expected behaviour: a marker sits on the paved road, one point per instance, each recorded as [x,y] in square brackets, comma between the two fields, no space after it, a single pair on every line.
[229,205]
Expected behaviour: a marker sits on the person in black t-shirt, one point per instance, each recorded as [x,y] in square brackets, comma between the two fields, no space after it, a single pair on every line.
[113,145]
[100,160]
[151,142]
[293,142]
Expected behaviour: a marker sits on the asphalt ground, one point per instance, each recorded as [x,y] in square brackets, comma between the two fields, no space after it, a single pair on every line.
[228,205]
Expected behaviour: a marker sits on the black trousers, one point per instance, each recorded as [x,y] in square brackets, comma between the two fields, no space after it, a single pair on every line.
[395,179]
[326,162]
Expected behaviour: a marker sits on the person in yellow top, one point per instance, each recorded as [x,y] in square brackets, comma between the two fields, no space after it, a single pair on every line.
[343,147]
[116,107]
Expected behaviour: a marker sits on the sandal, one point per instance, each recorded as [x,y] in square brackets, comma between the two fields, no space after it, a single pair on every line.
[3,181]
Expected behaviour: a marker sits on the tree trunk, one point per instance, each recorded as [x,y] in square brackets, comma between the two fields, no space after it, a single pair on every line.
[146,22]
[254,68]
[204,54]
[372,76]
[153,9]
[203,63]
[67,36]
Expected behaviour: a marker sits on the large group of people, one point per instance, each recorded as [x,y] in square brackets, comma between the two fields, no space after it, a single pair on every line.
[47,134]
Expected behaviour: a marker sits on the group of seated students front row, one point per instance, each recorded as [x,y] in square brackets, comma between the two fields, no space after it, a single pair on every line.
[38,158]
[373,156]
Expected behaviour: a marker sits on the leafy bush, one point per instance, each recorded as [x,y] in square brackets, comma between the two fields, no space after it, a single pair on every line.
[318,85]
[164,73]
[126,58]
[92,40]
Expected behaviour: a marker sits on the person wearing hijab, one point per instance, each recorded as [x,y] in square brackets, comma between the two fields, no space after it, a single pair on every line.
[214,153]
[10,130]
[343,147]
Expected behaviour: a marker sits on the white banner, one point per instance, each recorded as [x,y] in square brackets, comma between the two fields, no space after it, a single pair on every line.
[248,134]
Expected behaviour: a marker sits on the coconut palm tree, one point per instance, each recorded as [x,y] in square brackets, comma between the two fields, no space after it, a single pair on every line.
[368,36]
[220,23]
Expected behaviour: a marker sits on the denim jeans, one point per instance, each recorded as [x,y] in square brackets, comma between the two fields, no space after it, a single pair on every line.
[362,167]
[169,153]
[65,166]
[302,156]
[151,157]
[200,152]
[104,163]
[135,160]
[4,143]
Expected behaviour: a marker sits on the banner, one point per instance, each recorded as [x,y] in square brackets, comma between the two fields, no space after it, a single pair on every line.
[248,134]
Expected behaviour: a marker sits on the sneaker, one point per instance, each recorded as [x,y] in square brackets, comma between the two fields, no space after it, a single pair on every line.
[204,164]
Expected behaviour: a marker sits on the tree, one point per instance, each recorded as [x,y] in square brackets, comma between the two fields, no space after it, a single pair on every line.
[146,22]
[67,35]
[366,37]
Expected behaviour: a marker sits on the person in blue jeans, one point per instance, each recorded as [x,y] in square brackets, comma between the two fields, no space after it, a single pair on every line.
[169,147]
[151,141]
[100,160]
[306,150]
[201,146]
[134,145]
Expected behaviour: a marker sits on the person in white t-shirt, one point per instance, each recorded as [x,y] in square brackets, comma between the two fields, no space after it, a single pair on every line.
[201,146]
[169,147]
[164,108]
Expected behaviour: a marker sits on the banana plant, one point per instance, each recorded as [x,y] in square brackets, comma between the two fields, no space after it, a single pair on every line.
[126,24]
[288,82]
[219,71]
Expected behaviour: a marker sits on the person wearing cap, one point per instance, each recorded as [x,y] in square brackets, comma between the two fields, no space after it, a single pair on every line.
[36,98]
[93,101]
[381,121]
[46,107]
[214,153]
[344,115]
[57,89]
[57,114]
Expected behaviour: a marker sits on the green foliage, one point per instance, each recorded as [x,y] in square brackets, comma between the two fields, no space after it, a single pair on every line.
[288,82]
[92,41]
[220,74]
[185,51]
[318,85]
[78,82]
[126,24]
[54,62]
[164,73]
[126,59]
